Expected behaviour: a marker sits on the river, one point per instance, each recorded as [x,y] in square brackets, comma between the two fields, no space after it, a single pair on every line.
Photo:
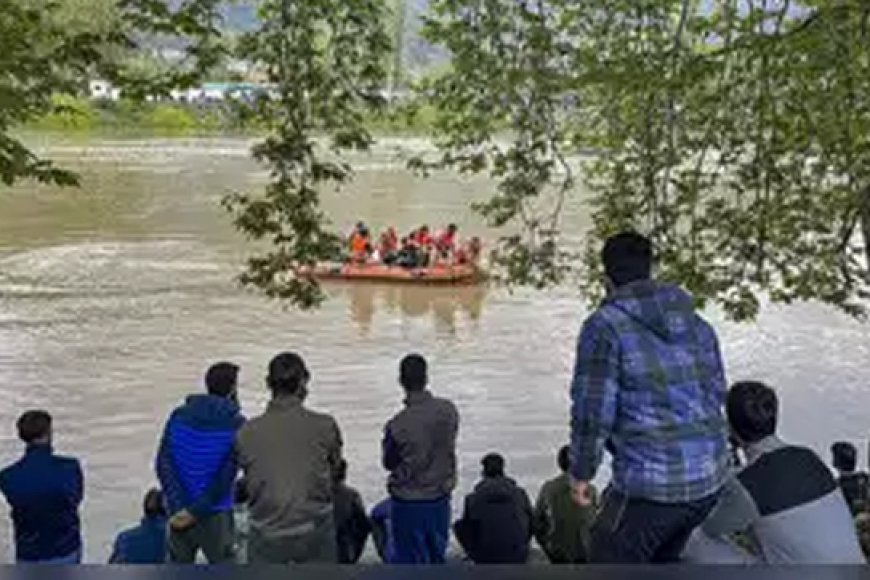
[114,298]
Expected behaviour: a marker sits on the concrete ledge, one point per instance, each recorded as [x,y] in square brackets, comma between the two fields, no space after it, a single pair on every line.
[432,573]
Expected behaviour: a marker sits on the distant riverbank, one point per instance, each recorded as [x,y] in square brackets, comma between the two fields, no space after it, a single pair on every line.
[83,116]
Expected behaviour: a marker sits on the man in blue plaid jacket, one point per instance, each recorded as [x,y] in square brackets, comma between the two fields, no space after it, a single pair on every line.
[648,387]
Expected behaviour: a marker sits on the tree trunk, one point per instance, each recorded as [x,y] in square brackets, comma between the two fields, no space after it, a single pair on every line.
[865,227]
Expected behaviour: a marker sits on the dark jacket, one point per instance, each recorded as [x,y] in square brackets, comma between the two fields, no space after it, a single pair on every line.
[352,525]
[496,525]
[562,528]
[144,544]
[649,382]
[195,464]
[855,488]
[419,448]
[289,456]
[44,491]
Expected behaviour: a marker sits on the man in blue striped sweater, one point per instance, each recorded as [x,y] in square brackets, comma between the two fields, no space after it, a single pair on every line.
[197,469]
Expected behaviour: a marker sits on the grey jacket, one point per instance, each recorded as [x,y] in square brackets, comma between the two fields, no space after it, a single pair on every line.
[419,448]
[788,500]
[288,455]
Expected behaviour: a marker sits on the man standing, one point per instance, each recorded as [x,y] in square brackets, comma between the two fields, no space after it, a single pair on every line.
[419,451]
[496,525]
[197,469]
[44,491]
[648,386]
[290,456]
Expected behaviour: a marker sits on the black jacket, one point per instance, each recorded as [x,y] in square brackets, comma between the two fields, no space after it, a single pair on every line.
[496,525]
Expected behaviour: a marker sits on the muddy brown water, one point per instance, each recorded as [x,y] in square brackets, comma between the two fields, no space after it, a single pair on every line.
[114,298]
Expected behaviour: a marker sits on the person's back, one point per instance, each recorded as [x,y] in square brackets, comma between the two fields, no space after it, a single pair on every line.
[44,491]
[649,383]
[786,496]
[145,543]
[419,451]
[290,484]
[496,525]
[562,527]
[197,469]
[352,526]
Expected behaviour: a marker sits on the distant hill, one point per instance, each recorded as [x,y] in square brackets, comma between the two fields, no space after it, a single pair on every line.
[418,55]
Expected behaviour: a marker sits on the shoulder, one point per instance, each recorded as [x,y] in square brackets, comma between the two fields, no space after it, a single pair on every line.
[322,421]
[785,478]
[602,323]
[67,462]
[446,404]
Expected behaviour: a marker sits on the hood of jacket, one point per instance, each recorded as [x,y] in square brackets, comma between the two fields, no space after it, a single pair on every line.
[496,489]
[210,412]
[665,310]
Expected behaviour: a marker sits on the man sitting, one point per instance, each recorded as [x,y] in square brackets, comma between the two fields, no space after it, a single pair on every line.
[497,523]
[145,543]
[785,496]
[853,483]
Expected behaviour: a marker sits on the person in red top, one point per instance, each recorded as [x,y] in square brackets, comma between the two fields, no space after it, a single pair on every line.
[423,240]
[360,247]
[445,242]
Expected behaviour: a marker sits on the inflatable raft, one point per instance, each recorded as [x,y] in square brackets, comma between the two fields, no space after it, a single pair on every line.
[439,274]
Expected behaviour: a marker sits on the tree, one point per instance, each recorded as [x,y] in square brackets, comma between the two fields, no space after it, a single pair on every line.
[48,49]
[327,63]
[734,137]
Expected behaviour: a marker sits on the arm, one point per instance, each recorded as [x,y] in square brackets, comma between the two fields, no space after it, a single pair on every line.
[712,356]
[594,398]
[390,450]
[223,480]
[77,492]
[165,468]
[333,456]
[541,520]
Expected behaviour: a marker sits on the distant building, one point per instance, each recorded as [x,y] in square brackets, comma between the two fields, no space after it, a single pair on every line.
[100,90]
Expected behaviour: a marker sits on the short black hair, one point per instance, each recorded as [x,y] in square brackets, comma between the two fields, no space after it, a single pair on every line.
[153,505]
[414,372]
[287,374]
[33,425]
[564,458]
[221,379]
[627,257]
[752,408]
[493,465]
[845,456]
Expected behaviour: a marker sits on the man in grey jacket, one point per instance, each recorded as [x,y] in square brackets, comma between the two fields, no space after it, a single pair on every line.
[785,496]
[419,451]
[289,456]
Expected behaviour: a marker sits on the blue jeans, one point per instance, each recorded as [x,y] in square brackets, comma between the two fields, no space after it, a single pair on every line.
[420,531]
[638,531]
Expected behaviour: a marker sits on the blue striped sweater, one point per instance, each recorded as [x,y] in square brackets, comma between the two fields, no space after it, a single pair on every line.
[196,464]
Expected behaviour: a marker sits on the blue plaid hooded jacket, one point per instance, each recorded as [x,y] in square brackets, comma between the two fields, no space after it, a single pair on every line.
[649,387]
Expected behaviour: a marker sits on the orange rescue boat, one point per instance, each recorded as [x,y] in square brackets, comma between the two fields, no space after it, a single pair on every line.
[445,274]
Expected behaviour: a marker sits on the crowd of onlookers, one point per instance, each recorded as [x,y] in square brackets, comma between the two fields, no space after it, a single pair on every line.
[698,472]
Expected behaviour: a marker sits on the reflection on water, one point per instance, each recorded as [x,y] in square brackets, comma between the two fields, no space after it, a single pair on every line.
[113,300]
[445,306]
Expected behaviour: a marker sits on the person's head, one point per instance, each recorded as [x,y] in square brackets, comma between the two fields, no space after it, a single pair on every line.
[340,473]
[288,375]
[153,505]
[627,257]
[424,229]
[752,409]
[360,226]
[493,465]
[845,457]
[413,373]
[564,459]
[221,379]
[34,427]
[452,228]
